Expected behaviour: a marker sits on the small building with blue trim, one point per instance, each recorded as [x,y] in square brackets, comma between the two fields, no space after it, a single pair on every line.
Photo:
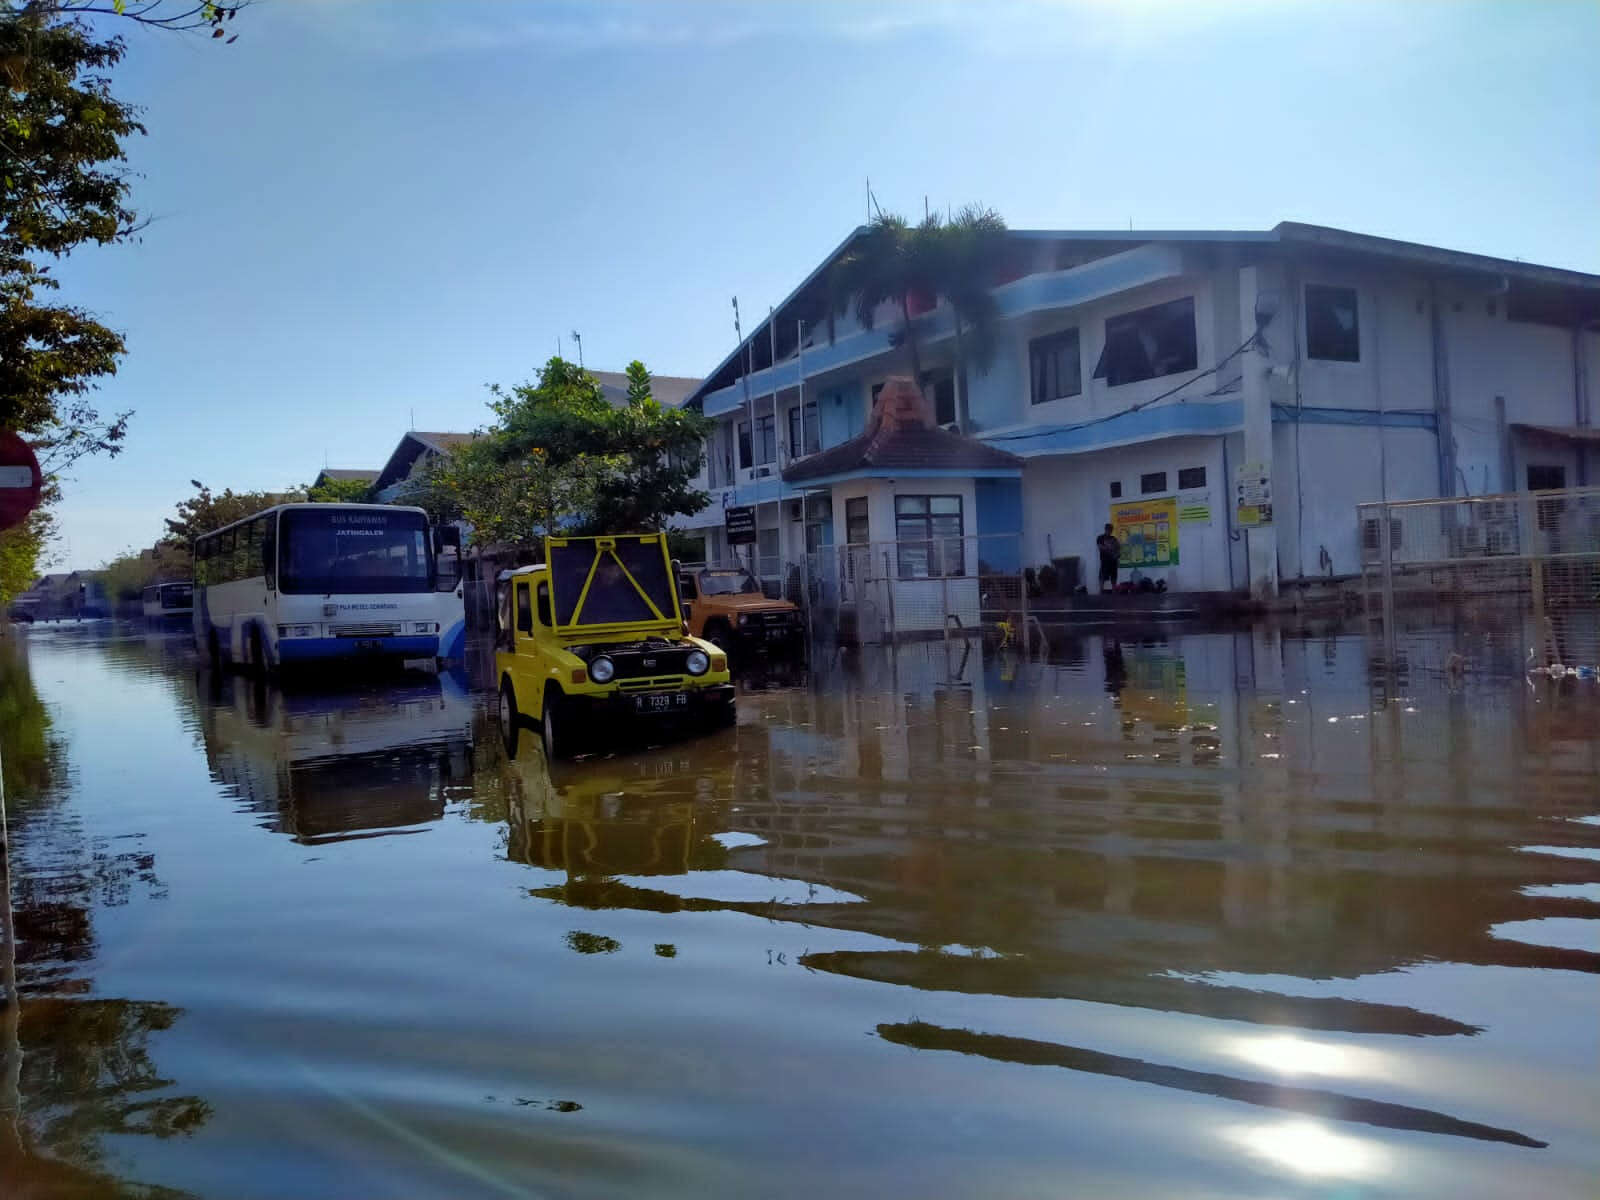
[1159,370]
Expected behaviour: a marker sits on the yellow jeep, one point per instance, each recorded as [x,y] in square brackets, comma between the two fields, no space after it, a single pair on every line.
[593,639]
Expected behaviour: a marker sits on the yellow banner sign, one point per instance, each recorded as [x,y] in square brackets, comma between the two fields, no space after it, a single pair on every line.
[1148,531]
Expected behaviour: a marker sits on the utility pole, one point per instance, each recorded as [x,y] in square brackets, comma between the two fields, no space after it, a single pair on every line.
[579,340]
[750,408]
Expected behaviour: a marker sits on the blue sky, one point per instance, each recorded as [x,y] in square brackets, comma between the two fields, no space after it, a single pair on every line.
[363,210]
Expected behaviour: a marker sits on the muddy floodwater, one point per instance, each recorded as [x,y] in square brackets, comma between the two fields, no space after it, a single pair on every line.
[1193,914]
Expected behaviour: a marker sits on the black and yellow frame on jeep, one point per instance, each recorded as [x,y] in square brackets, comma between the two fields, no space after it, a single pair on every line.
[592,640]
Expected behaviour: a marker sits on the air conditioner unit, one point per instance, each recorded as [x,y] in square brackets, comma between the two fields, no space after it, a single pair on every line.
[795,510]
[763,472]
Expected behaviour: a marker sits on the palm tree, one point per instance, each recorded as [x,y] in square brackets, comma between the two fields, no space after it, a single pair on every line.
[901,263]
[971,249]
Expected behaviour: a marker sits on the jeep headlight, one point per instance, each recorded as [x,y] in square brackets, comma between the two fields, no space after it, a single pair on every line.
[602,669]
[744,618]
[697,662]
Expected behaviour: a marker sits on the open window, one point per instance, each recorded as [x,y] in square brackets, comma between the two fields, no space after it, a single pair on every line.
[524,610]
[1333,324]
[1149,343]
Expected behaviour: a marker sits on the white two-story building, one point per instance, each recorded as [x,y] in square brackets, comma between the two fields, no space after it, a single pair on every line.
[1146,369]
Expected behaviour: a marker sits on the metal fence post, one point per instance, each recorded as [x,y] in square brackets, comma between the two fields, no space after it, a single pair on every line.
[888,592]
[1022,581]
[1386,544]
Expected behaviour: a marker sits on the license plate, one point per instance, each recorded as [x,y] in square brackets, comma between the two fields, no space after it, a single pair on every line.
[776,634]
[368,644]
[661,702]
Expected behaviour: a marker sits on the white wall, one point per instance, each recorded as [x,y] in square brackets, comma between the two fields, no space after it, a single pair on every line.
[1066,502]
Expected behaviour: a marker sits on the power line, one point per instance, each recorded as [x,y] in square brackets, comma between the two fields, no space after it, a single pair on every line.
[1132,408]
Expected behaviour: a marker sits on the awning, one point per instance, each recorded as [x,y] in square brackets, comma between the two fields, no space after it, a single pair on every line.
[1569,433]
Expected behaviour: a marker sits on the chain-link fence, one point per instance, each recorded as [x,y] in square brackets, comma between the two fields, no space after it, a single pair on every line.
[1534,556]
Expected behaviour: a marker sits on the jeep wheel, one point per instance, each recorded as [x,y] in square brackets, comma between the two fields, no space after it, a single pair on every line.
[554,728]
[720,636]
[510,719]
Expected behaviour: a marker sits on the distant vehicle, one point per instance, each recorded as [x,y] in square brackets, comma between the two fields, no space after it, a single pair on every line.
[22,613]
[727,607]
[169,601]
[316,583]
[594,638]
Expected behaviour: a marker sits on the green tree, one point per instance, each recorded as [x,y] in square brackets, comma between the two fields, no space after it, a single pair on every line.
[898,263]
[205,511]
[639,392]
[339,491]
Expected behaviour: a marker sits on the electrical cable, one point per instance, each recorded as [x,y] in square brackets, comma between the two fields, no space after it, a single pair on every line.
[1132,408]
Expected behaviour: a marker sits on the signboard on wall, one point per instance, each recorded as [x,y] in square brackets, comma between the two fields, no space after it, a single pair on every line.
[1148,531]
[1252,495]
[1194,508]
[740,525]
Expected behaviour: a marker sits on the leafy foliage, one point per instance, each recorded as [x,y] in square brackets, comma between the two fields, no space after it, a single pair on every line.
[559,458]
[204,511]
[339,491]
[127,575]
[958,260]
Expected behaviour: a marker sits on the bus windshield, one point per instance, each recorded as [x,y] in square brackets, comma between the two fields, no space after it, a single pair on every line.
[353,550]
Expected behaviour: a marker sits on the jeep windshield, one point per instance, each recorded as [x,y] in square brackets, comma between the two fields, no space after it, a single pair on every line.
[611,581]
[728,583]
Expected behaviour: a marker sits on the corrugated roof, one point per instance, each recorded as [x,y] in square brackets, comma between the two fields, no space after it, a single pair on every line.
[346,473]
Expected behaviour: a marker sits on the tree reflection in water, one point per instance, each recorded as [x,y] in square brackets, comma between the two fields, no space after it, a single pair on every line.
[76,1069]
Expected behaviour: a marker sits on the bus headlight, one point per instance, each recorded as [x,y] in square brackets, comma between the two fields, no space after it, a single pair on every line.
[422,627]
[601,669]
[697,662]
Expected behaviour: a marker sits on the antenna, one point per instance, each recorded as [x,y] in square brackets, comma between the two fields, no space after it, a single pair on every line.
[413,413]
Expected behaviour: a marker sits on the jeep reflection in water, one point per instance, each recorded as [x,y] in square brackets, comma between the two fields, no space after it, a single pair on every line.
[593,639]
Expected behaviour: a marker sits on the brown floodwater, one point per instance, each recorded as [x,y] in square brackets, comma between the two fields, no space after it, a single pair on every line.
[1197,914]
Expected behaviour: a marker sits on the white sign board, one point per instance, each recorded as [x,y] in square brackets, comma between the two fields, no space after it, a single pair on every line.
[16,477]
[1252,495]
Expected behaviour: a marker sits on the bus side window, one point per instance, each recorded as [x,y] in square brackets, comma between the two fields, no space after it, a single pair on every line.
[544,605]
[524,610]
[269,551]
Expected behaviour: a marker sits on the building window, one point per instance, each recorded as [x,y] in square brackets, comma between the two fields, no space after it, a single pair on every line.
[766,442]
[1546,478]
[1191,477]
[819,523]
[857,532]
[1155,481]
[942,395]
[1055,367]
[1333,327]
[1149,343]
[927,534]
[1116,489]
[770,565]
[805,430]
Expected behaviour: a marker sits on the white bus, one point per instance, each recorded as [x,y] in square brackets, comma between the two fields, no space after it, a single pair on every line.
[304,583]
[169,601]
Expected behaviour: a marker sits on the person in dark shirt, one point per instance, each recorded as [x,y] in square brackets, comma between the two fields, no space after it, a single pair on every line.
[1110,552]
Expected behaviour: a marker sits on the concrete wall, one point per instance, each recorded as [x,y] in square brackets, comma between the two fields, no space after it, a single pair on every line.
[1067,501]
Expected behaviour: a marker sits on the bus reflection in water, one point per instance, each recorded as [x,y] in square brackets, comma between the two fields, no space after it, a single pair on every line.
[301,584]
[324,767]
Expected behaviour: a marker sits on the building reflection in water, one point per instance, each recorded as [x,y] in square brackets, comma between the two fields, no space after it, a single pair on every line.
[76,1069]
[325,766]
[1157,823]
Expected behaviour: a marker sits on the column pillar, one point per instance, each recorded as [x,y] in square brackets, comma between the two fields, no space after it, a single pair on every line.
[1261,301]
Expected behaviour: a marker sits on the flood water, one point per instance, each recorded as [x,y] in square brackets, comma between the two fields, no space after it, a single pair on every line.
[1208,914]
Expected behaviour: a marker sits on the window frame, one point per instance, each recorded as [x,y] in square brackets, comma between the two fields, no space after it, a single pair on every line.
[1049,344]
[1306,291]
[1144,483]
[937,545]
[851,513]
[1192,485]
[805,429]
[1120,327]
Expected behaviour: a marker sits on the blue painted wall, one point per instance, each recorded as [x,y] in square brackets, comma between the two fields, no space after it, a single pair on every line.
[841,413]
[999,505]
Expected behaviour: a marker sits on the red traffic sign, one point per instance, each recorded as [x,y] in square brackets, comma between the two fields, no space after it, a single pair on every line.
[21,481]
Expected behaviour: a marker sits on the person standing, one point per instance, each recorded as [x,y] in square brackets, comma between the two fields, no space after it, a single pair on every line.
[1110,555]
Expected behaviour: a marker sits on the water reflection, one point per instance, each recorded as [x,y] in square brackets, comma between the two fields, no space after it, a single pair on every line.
[328,765]
[1250,920]
[74,1069]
